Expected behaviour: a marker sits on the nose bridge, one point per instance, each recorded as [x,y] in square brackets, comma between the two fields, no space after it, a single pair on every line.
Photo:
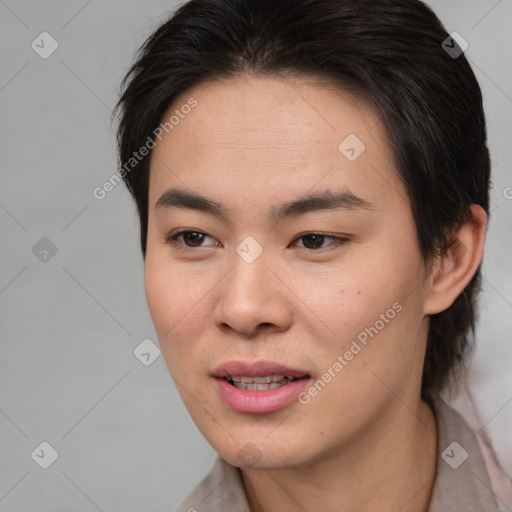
[249,262]
[249,278]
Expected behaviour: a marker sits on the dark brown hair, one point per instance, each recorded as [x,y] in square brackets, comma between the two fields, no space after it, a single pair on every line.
[389,51]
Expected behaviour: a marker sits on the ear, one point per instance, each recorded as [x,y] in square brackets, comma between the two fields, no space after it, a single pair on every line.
[452,271]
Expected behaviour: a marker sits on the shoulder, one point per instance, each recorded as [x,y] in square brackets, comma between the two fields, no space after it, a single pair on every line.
[462,480]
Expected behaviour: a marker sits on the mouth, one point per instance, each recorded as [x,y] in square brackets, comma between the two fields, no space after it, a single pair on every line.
[259,387]
[265,383]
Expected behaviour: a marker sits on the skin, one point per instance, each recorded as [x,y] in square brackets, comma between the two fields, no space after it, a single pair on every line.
[366,441]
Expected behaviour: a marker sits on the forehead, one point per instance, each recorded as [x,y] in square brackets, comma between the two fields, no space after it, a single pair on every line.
[262,135]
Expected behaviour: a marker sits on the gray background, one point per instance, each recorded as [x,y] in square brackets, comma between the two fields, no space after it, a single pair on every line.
[69,324]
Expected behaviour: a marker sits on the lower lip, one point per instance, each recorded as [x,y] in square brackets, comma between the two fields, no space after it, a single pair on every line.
[260,402]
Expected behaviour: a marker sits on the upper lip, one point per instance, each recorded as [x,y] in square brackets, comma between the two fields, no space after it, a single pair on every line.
[256,369]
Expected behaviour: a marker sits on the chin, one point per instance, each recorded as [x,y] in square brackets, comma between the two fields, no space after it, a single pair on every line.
[260,453]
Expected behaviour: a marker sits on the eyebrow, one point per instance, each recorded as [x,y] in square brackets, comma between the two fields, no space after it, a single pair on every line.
[327,200]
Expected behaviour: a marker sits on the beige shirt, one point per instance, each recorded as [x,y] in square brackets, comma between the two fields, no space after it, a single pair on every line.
[461,483]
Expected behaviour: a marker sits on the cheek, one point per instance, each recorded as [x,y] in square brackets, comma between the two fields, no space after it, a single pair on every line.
[173,302]
[161,302]
[374,301]
[347,298]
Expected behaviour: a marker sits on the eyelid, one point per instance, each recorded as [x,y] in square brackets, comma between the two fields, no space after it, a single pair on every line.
[171,238]
[338,240]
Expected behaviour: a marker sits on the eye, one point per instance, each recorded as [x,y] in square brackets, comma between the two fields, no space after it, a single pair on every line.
[189,239]
[317,241]
[195,239]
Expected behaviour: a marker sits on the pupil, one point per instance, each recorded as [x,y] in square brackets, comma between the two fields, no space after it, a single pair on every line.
[194,237]
[316,240]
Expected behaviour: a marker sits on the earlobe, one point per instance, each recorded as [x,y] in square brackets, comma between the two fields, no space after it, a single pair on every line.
[453,271]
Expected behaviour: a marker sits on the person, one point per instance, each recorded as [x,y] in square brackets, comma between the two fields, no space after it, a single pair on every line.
[312,182]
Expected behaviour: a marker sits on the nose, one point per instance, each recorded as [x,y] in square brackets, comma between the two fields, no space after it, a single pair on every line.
[252,300]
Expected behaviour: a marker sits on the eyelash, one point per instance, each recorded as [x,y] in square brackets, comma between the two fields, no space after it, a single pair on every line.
[173,240]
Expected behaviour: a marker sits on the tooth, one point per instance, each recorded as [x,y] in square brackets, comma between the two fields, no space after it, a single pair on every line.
[276,378]
[262,380]
[256,384]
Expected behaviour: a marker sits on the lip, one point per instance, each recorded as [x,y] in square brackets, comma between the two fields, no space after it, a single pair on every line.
[258,402]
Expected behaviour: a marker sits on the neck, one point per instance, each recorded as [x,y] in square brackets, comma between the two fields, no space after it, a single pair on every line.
[391,467]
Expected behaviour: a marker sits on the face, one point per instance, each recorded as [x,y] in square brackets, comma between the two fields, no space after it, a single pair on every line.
[281,243]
